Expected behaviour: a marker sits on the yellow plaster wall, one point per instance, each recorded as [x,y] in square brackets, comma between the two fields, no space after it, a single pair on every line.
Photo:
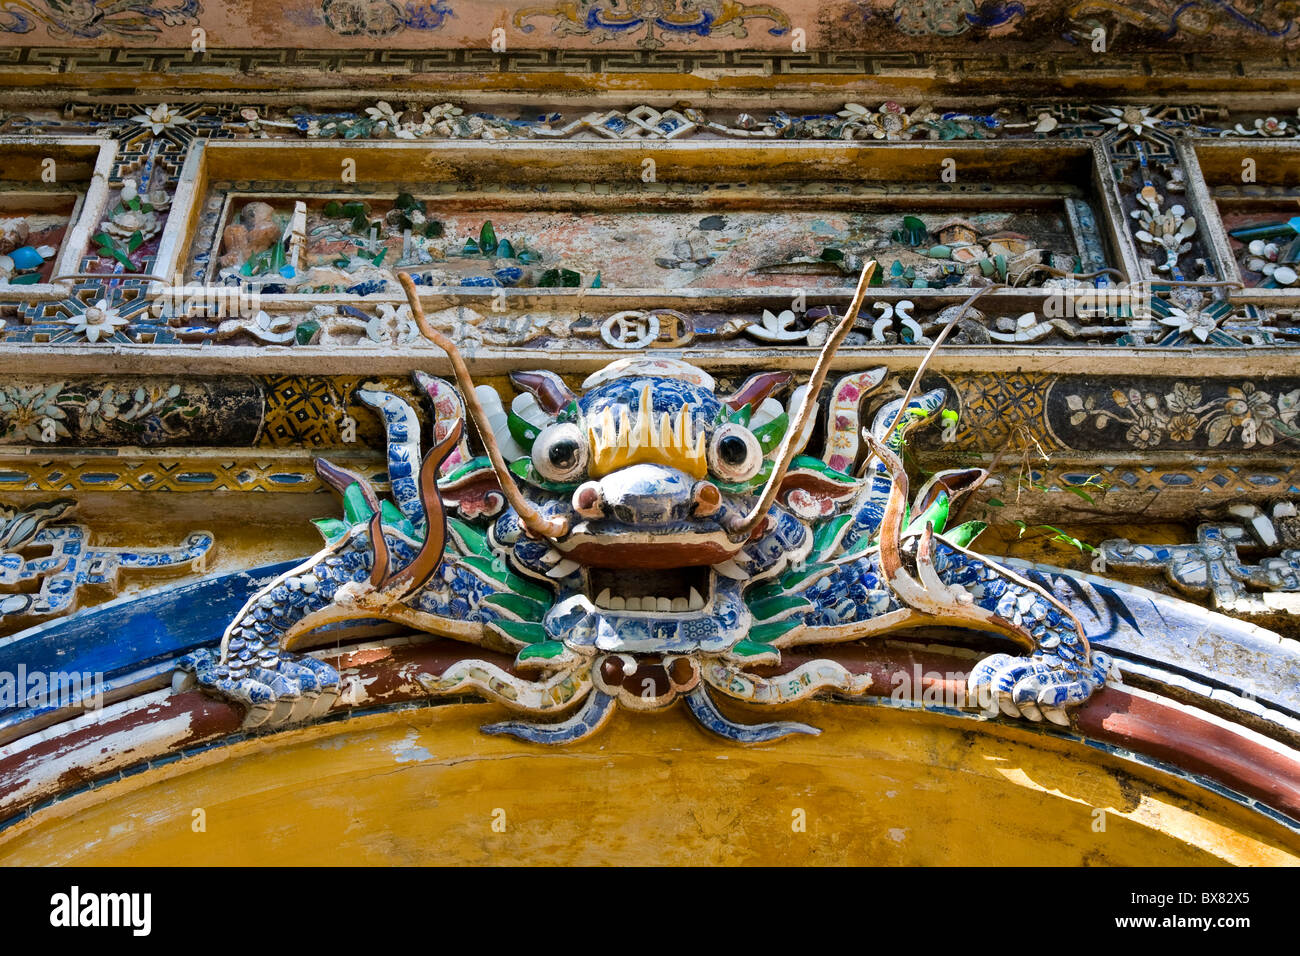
[880,786]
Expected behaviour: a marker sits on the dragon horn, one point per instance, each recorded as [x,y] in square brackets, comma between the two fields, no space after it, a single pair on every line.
[789,444]
[532,519]
[339,478]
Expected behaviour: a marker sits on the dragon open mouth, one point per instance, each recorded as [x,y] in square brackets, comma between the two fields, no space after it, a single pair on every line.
[661,590]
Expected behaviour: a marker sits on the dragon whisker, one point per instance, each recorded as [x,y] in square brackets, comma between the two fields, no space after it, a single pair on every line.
[789,443]
[532,519]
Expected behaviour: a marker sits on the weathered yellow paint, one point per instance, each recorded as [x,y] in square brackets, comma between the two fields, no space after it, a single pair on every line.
[880,786]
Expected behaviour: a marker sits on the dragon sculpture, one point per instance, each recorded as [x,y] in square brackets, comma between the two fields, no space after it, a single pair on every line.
[649,540]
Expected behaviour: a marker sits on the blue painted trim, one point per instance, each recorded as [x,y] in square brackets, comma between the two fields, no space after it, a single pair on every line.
[130,634]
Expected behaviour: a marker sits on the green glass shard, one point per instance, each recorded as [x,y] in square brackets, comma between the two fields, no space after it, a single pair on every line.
[305,331]
[498,572]
[531,611]
[770,433]
[331,529]
[481,463]
[355,508]
[827,535]
[523,432]
[542,649]
[775,606]
[936,515]
[468,538]
[796,579]
[393,518]
[521,632]
[964,533]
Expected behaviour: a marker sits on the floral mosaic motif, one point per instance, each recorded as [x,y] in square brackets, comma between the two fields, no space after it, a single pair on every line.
[382,18]
[1244,415]
[949,18]
[146,414]
[154,139]
[90,19]
[686,20]
[1176,18]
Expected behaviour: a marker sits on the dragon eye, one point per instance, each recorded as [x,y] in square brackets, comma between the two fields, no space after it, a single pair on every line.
[560,453]
[734,453]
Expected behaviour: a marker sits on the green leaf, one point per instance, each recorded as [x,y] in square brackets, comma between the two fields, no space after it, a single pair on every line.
[135,242]
[487,238]
[1065,538]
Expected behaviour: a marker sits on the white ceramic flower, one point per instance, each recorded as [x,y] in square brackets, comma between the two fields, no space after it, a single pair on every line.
[1196,322]
[160,118]
[1134,119]
[98,321]
[382,112]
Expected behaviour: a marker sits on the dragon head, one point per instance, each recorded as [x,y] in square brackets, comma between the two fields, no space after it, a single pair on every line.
[648,500]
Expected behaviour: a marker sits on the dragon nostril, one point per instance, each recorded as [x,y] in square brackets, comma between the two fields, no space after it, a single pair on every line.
[588,500]
[707,498]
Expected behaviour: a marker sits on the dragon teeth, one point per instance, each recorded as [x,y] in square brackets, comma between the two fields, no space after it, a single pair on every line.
[563,569]
[609,601]
[729,569]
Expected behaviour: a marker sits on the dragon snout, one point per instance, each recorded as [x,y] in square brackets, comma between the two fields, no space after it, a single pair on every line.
[646,494]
